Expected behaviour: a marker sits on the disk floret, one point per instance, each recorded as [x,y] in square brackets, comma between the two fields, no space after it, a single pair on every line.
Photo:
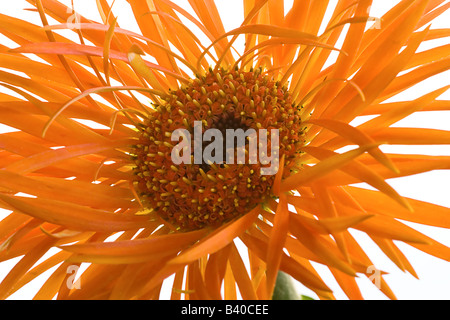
[195,195]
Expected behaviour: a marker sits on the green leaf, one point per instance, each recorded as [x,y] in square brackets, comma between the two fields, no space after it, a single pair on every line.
[285,288]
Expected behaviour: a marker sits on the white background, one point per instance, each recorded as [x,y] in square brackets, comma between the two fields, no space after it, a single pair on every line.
[434,186]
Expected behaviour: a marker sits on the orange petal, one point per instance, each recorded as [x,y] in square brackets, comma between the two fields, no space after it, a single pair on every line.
[241,275]
[140,67]
[24,265]
[373,201]
[137,250]
[309,174]
[276,242]
[73,216]
[218,239]
[355,135]
[78,49]
[287,264]
[84,193]
[44,159]
[363,173]
[318,245]
[396,112]
[215,271]
[395,254]
[385,227]
[333,225]
[106,48]
[412,136]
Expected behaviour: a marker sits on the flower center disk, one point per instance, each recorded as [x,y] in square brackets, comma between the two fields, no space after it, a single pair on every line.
[196,195]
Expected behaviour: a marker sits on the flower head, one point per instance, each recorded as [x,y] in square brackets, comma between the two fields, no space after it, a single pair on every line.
[145,154]
[195,195]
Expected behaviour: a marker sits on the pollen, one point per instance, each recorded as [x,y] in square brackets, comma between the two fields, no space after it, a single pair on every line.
[221,100]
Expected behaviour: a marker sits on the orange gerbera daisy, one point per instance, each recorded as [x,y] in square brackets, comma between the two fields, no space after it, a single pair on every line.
[88,176]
